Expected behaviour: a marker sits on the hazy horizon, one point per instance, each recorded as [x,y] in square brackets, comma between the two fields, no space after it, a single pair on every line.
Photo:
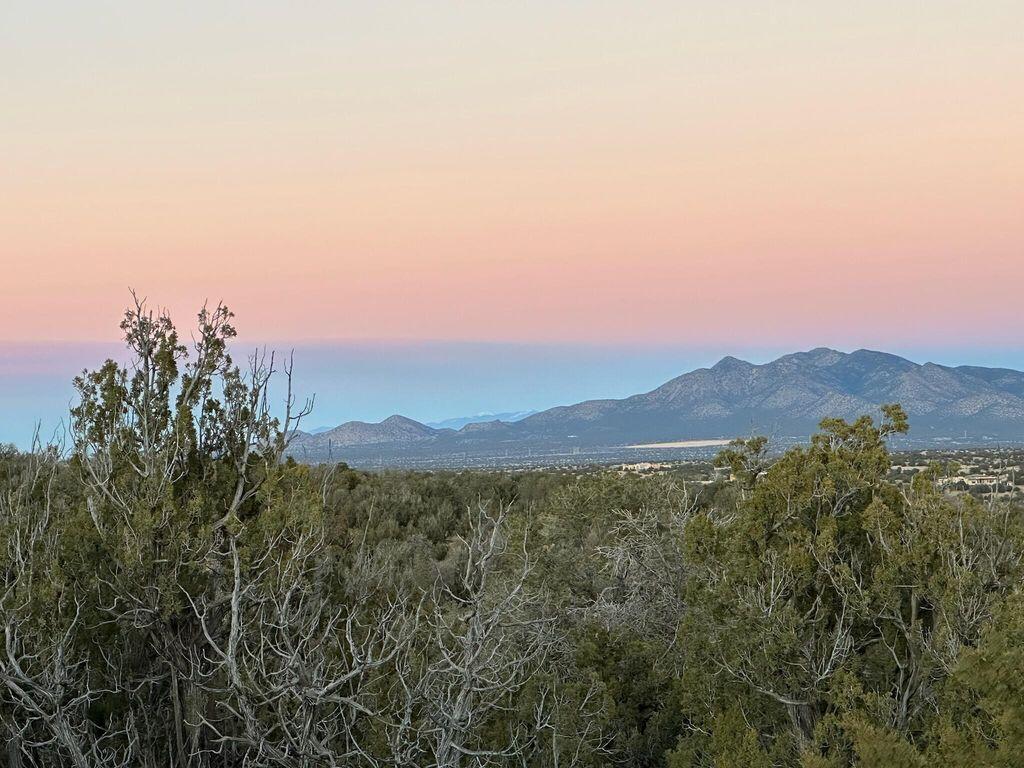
[426,381]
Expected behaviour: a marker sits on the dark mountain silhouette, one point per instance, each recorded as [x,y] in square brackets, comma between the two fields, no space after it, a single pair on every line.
[787,397]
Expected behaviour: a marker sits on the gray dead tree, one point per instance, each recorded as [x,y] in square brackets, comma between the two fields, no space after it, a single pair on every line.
[456,697]
[295,671]
[48,682]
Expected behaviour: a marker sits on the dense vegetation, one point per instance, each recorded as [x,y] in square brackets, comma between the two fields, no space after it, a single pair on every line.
[174,594]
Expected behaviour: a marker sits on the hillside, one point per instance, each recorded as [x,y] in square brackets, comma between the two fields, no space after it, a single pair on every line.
[394,430]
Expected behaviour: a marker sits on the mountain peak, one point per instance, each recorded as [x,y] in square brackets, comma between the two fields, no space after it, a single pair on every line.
[729,363]
[819,356]
[398,420]
[821,352]
[874,354]
[392,430]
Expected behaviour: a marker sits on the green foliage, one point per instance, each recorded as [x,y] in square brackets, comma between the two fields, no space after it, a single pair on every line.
[173,590]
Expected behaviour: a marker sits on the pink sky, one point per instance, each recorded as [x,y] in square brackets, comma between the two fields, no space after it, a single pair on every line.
[786,173]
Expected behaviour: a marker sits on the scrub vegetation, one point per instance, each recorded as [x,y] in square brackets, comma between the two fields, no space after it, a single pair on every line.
[175,593]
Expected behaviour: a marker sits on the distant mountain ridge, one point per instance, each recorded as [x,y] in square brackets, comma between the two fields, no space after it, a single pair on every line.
[394,429]
[785,397]
[460,421]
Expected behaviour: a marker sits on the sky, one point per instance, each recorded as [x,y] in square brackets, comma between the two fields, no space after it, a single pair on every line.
[584,197]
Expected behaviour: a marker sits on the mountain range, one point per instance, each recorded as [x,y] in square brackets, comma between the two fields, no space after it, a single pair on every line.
[460,421]
[785,399]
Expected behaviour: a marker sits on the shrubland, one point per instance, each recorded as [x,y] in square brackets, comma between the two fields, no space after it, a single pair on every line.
[177,593]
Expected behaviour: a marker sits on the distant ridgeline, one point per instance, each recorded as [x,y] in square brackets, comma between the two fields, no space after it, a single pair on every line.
[785,399]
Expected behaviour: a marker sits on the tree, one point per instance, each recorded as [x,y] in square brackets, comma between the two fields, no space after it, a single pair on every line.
[843,600]
[171,452]
[488,637]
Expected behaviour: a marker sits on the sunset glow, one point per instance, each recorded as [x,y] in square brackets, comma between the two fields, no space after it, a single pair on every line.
[534,172]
